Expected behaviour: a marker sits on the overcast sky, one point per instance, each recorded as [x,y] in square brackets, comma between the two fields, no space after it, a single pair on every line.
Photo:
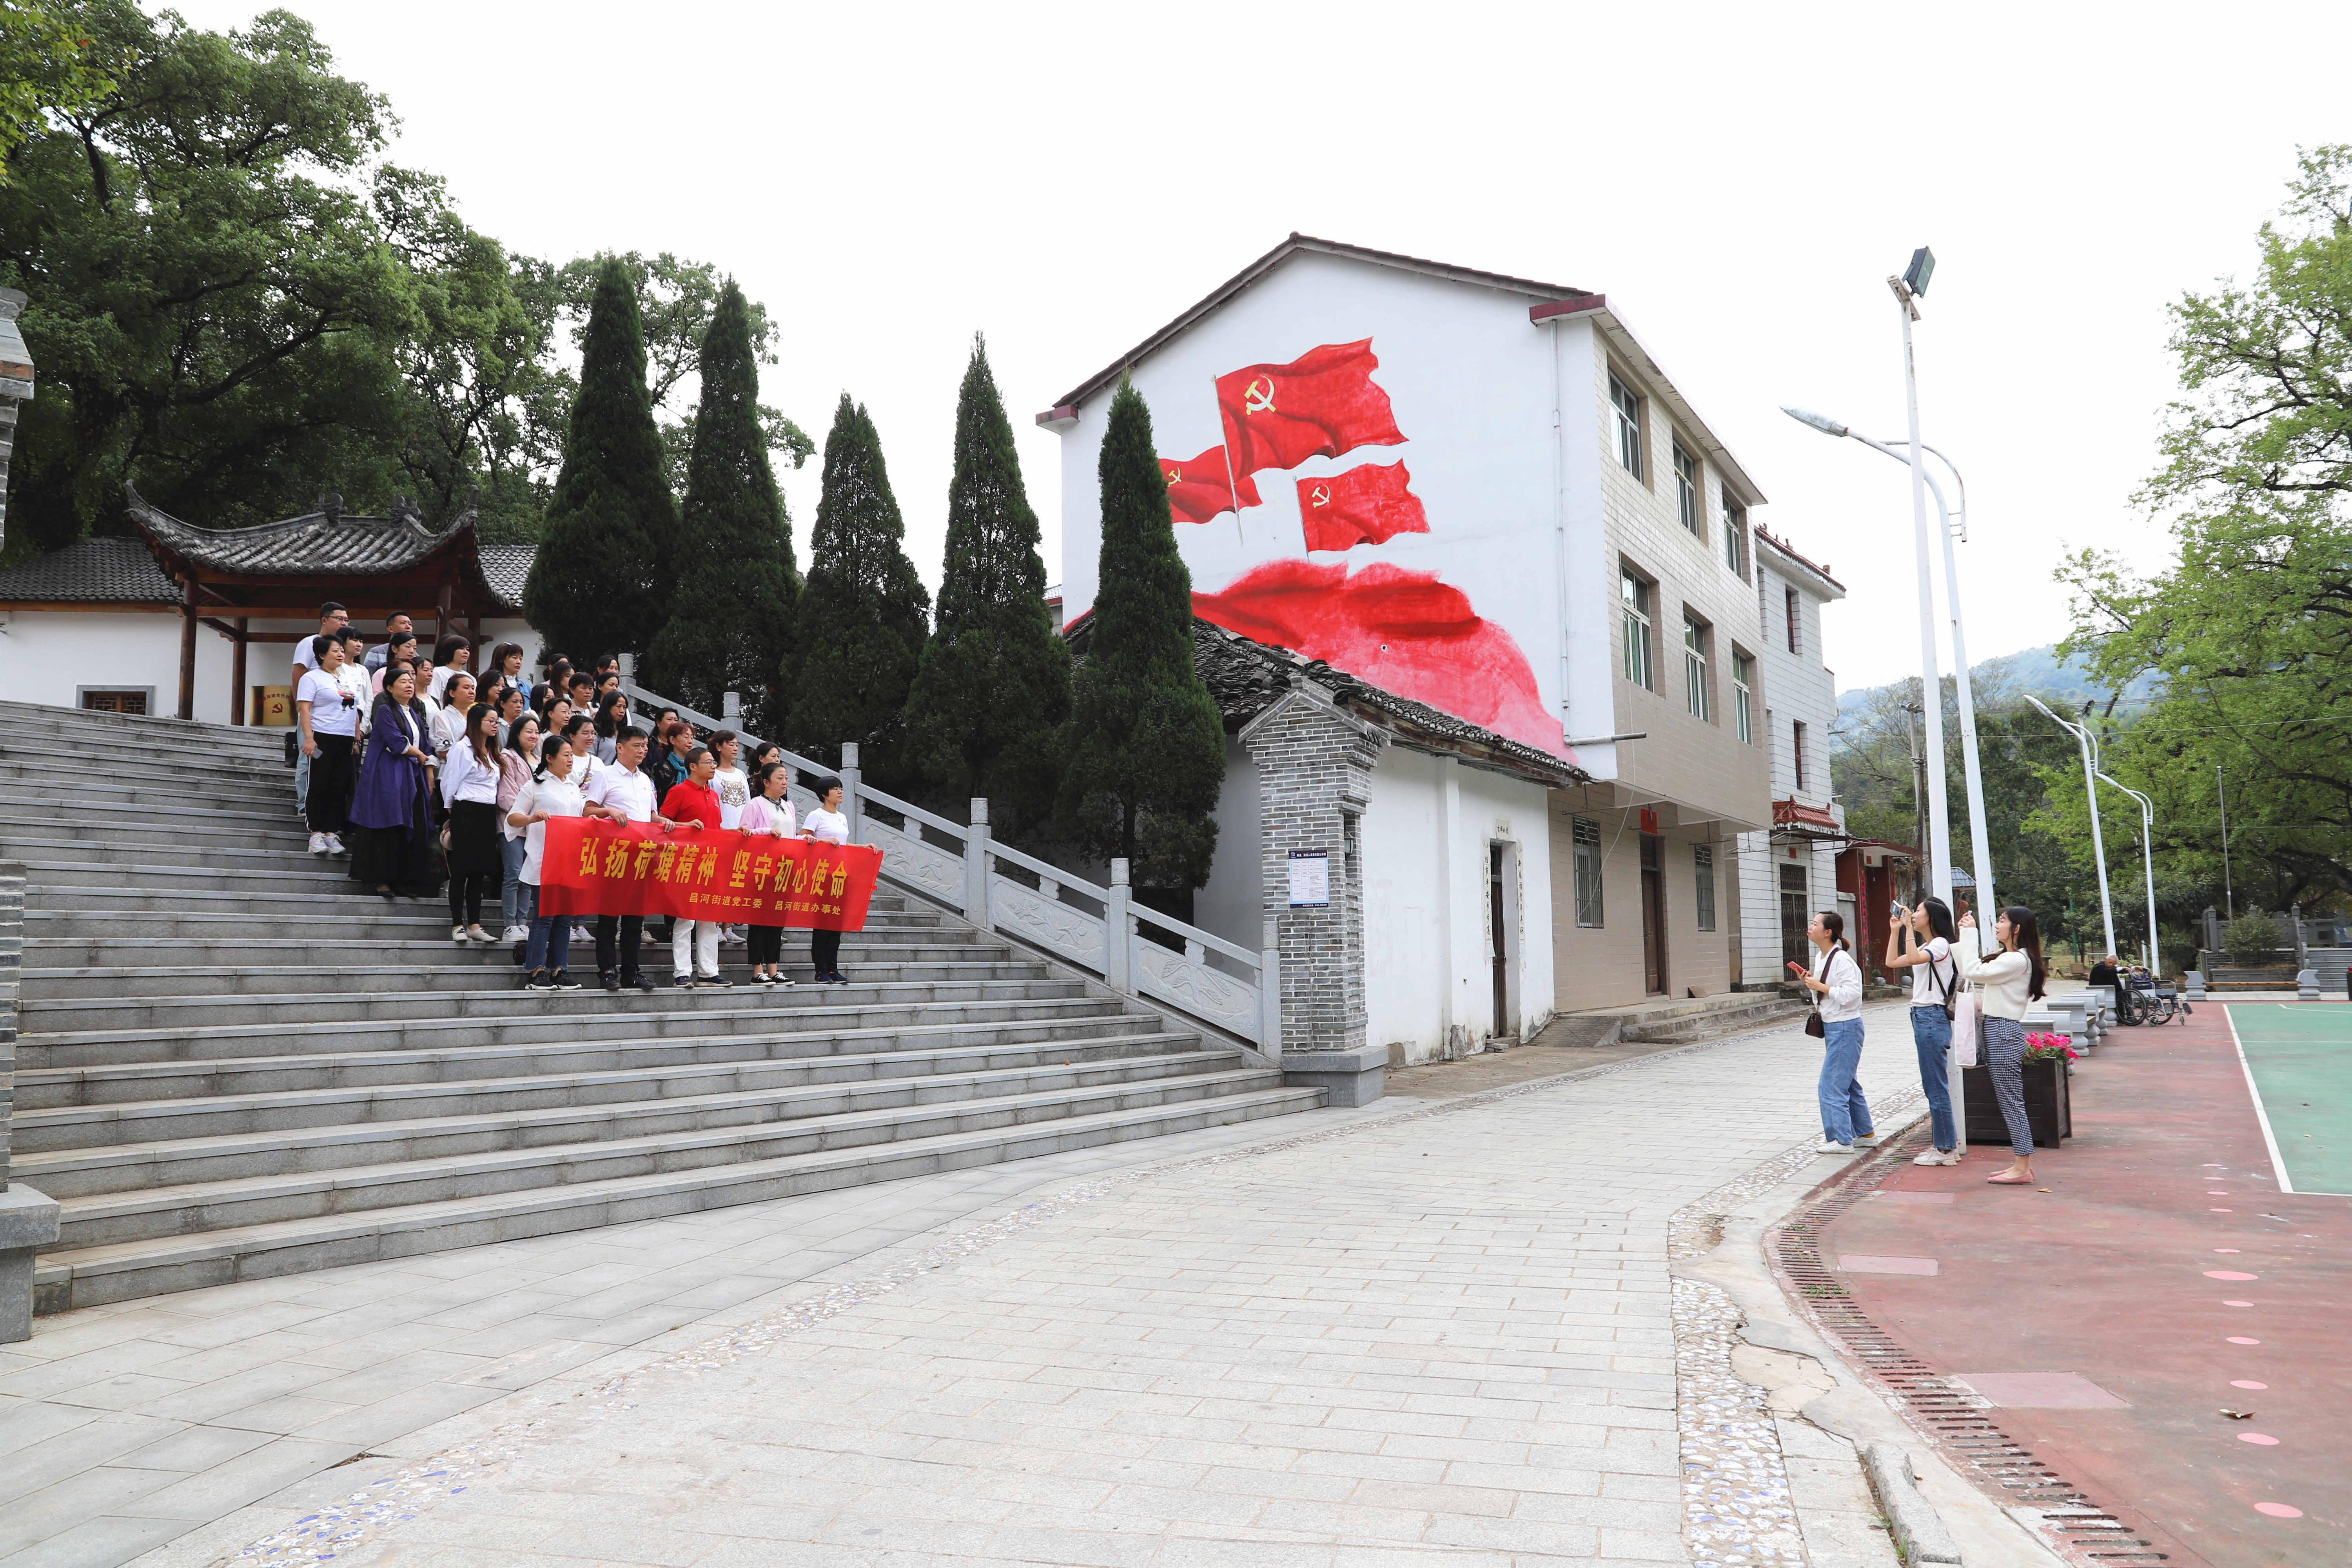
[1738,180]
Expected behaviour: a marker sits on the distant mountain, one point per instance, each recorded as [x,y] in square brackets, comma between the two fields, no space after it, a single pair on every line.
[2038,671]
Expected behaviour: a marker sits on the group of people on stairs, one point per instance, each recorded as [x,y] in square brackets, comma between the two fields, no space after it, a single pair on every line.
[427,776]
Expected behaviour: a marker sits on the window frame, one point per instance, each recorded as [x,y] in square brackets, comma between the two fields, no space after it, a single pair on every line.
[1690,490]
[1743,694]
[1586,871]
[1797,750]
[1698,639]
[1734,536]
[1626,404]
[1635,601]
[1703,876]
[1793,604]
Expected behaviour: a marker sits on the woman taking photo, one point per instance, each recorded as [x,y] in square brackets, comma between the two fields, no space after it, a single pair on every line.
[2006,985]
[325,709]
[391,815]
[549,793]
[1835,981]
[1921,941]
[769,812]
[470,787]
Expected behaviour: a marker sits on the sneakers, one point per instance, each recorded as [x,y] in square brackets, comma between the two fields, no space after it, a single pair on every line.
[1865,1139]
[480,937]
[516,933]
[1938,1157]
[1826,1147]
[581,933]
[457,935]
[562,981]
[720,980]
[609,980]
[539,980]
[335,845]
[318,844]
[683,982]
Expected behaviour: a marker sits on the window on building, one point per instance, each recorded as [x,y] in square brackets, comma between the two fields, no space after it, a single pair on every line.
[130,700]
[1694,641]
[1629,425]
[1735,537]
[1743,695]
[1703,857]
[1586,834]
[1797,749]
[1640,666]
[1796,619]
[1690,496]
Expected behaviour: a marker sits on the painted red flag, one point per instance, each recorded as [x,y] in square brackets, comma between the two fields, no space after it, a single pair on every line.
[1318,406]
[1363,506]
[1403,631]
[1200,489]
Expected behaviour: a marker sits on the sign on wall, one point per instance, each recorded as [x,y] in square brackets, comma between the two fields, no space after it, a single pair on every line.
[1310,878]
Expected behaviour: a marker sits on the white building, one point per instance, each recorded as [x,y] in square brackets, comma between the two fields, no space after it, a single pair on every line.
[1788,871]
[1518,520]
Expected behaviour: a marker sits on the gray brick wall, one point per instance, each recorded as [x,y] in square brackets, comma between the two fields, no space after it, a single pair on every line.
[12,966]
[1314,766]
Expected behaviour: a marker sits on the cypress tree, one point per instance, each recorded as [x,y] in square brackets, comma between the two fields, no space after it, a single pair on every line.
[995,680]
[864,614]
[730,620]
[1146,746]
[599,583]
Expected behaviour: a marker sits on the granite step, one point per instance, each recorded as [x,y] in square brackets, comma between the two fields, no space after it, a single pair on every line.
[495,971]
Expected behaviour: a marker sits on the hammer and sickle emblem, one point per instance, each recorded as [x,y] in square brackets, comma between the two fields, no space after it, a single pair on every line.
[1259,398]
[1320,495]
[1173,473]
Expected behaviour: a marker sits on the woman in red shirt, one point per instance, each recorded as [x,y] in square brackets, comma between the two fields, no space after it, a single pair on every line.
[693,805]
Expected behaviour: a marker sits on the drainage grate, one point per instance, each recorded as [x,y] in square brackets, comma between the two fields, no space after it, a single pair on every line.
[1954,1416]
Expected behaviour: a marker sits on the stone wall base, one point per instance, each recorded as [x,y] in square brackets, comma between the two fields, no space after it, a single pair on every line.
[1357,1077]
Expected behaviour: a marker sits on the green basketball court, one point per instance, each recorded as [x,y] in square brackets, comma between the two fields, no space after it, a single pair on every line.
[2299,1062]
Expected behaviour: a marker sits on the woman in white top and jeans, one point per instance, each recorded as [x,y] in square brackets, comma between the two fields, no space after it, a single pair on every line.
[1921,939]
[2006,984]
[1835,981]
[550,792]
[470,787]
[518,756]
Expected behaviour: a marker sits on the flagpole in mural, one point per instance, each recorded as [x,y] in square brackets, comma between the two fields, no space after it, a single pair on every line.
[1233,483]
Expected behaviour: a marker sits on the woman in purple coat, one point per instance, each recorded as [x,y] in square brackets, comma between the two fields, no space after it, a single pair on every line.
[394,846]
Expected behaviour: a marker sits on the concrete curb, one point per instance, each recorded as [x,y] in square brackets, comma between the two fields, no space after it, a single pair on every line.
[1918,1528]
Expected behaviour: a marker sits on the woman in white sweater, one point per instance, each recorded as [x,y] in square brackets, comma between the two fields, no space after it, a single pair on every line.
[2006,982]
[1835,981]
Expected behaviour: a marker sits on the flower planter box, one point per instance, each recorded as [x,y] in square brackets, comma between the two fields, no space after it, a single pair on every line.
[2047,1110]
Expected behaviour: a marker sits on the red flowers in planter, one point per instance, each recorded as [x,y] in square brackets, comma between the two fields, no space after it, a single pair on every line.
[2050,1047]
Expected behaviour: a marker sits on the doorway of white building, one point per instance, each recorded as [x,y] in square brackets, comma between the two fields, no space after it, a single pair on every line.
[1499,940]
[1795,916]
[1653,914]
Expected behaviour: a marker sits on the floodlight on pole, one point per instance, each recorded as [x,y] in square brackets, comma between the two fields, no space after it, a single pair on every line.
[2090,745]
[1979,840]
[2147,857]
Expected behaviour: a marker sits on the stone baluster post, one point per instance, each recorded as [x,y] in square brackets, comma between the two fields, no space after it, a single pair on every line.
[1119,932]
[1269,990]
[976,865]
[731,709]
[851,806]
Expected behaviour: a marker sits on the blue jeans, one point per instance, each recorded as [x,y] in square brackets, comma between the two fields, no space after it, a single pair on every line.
[510,854]
[1845,1115]
[1932,1033]
[550,935]
[301,779]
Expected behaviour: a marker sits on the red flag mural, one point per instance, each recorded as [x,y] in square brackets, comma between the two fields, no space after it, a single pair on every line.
[1402,630]
[597,867]
[1363,506]
[1318,406]
[1200,489]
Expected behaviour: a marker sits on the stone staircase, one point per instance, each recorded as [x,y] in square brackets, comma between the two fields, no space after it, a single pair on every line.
[1664,1020]
[236,1063]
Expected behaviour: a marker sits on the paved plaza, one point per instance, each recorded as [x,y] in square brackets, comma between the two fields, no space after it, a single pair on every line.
[1439,1329]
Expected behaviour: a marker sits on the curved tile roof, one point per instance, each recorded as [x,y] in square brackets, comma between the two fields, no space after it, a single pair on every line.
[91,571]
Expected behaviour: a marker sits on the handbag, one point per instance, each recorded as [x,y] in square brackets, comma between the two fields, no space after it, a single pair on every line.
[1813,1024]
[1966,1020]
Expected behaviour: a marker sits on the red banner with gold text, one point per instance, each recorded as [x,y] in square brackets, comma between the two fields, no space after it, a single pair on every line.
[594,867]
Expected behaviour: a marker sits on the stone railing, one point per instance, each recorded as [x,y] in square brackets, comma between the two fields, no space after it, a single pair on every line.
[1100,931]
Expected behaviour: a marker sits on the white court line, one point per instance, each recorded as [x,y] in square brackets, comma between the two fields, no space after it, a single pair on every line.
[2278,1160]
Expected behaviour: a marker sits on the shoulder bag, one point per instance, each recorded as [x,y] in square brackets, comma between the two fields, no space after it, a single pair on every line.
[1813,1024]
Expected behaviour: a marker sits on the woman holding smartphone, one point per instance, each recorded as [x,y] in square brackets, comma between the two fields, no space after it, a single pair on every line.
[2006,985]
[1921,941]
[1835,981]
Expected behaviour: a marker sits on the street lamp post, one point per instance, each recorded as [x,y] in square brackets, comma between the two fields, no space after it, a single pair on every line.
[2147,858]
[2083,738]
[1979,841]
[1908,289]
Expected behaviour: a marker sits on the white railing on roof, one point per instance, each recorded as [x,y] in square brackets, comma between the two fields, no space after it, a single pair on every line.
[1134,950]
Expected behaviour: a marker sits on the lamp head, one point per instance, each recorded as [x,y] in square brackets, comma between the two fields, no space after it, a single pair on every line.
[1922,267]
[1821,422]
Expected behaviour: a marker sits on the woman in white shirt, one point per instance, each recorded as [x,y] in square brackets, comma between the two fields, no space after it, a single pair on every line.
[328,715]
[469,788]
[733,789]
[1835,981]
[517,757]
[1920,940]
[549,793]
[769,813]
[449,721]
[2006,985]
[827,824]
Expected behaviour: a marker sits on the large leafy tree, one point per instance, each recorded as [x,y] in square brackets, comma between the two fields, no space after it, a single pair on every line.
[1145,753]
[600,581]
[212,307]
[730,624]
[994,686]
[864,614]
[48,63]
[2250,630]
